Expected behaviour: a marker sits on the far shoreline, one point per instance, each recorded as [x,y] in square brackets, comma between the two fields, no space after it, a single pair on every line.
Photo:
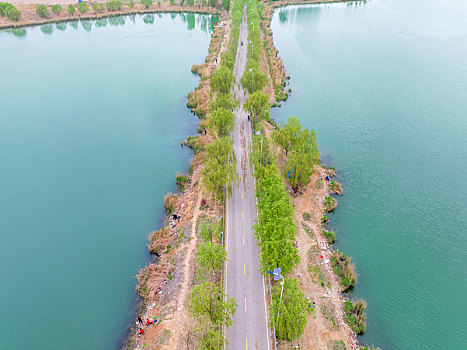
[138,9]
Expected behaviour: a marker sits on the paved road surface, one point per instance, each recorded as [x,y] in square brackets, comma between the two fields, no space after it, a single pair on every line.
[243,280]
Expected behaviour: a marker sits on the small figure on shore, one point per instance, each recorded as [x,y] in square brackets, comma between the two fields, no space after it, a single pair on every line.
[148,323]
[205,131]
[248,117]
[140,320]
[141,331]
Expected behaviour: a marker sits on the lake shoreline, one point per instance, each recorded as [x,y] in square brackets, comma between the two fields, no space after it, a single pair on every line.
[33,20]
[160,296]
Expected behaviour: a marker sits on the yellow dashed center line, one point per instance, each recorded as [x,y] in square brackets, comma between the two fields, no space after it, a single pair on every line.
[243,218]
[242,195]
[245,304]
[244,269]
[243,240]
[246,343]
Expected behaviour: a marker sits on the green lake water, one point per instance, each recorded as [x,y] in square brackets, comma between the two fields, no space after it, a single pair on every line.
[384,83]
[91,118]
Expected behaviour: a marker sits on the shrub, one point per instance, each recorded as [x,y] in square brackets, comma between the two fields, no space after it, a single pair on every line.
[331,237]
[307,216]
[355,316]
[56,9]
[146,3]
[182,180]
[71,9]
[114,5]
[13,14]
[131,4]
[173,2]
[98,7]
[83,7]
[42,11]
[159,3]
[344,269]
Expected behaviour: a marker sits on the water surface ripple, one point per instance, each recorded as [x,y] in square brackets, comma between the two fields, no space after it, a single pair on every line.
[384,85]
[91,118]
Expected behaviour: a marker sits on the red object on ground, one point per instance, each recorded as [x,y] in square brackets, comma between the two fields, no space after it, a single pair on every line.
[141,331]
[321,256]
[147,322]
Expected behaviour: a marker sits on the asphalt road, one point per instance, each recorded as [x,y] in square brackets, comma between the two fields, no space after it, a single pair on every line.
[243,280]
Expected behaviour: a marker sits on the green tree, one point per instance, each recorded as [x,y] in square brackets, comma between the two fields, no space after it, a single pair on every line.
[285,135]
[146,3]
[222,101]
[98,7]
[131,4]
[221,80]
[42,11]
[114,5]
[71,9]
[219,169]
[223,121]
[210,257]
[209,230]
[206,304]
[293,309]
[258,106]
[3,6]
[190,2]
[213,3]
[253,80]
[208,338]
[56,9]
[302,158]
[83,7]
[301,150]
[226,4]
[173,2]
[13,14]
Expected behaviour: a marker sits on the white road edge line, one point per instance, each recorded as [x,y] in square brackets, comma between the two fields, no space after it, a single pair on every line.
[266,315]
[224,328]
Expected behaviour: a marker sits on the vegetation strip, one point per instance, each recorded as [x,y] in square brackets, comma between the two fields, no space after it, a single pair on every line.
[213,172]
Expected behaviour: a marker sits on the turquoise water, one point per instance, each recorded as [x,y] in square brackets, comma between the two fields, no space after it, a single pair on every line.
[384,83]
[91,116]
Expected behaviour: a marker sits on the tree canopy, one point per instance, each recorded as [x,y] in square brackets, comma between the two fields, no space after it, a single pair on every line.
[258,106]
[210,257]
[207,305]
[301,150]
[219,170]
[222,121]
[221,80]
[293,309]
[253,79]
